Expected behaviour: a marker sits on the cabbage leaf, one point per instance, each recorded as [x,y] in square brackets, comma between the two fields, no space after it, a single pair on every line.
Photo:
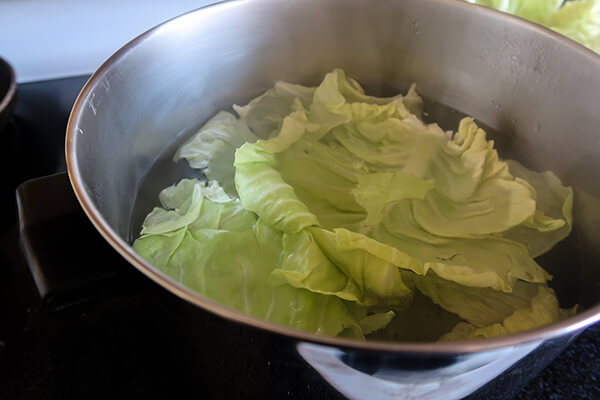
[330,210]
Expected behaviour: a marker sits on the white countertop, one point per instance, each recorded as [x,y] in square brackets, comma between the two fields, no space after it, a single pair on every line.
[48,39]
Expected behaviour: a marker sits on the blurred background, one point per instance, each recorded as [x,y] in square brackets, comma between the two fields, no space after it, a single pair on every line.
[61,38]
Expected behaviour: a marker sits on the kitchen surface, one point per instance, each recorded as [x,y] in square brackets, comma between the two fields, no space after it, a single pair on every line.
[79,322]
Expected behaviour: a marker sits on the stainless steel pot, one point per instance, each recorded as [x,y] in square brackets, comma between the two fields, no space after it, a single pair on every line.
[538,89]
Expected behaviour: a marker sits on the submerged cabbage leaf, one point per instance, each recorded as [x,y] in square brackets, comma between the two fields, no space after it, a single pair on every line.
[232,264]
[213,146]
[264,114]
[478,306]
[491,262]
[553,219]
[543,309]
[330,210]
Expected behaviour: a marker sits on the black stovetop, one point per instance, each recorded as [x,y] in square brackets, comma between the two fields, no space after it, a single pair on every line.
[77,321]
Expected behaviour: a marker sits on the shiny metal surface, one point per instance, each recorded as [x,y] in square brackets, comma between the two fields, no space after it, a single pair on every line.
[452,378]
[538,89]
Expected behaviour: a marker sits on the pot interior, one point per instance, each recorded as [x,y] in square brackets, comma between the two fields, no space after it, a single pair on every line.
[536,93]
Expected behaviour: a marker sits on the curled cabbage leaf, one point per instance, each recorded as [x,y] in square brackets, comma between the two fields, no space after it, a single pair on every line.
[331,211]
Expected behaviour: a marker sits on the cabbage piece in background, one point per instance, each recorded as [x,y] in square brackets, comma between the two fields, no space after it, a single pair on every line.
[577,19]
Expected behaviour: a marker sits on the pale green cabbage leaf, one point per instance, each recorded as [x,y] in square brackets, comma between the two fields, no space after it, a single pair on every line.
[213,146]
[327,209]
[542,310]
[230,256]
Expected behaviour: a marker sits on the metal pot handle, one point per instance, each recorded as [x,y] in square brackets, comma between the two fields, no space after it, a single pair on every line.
[459,377]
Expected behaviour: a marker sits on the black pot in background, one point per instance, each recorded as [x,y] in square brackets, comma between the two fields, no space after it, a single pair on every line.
[8,92]
[8,139]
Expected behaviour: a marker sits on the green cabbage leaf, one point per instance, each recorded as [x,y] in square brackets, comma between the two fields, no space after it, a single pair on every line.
[331,211]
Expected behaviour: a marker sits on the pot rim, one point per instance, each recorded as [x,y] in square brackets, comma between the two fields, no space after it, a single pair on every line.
[570,325]
[12,88]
